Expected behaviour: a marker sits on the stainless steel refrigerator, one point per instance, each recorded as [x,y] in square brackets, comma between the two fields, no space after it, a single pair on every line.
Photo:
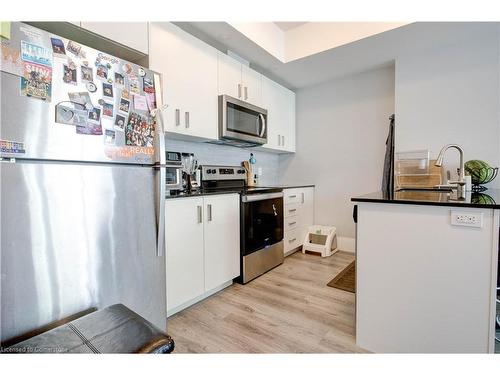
[82,183]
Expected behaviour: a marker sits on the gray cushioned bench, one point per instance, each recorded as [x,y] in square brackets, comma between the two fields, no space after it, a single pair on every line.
[115,329]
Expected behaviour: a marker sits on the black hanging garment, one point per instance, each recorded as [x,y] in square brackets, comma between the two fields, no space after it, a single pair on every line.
[388,177]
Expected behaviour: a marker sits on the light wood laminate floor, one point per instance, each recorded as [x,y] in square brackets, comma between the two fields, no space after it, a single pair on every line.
[290,309]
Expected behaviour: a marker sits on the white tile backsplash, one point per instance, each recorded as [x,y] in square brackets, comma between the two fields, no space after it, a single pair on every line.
[208,153]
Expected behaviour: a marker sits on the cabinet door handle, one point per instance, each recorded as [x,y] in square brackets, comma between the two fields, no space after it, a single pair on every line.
[177,117]
[292,223]
[283,140]
[303,197]
[239,90]
[246,92]
[209,213]
[186,119]
[292,210]
[292,196]
[200,215]
[279,140]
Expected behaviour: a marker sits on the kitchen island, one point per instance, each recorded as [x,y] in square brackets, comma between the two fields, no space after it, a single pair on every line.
[426,272]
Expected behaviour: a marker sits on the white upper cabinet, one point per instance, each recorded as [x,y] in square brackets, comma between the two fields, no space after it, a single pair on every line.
[252,86]
[189,80]
[130,34]
[229,76]
[280,105]
[194,74]
[239,81]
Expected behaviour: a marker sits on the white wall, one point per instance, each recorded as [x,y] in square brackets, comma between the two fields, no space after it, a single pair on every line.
[341,132]
[450,94]
[212,154]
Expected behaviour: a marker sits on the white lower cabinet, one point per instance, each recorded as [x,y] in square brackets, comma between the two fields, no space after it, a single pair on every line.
[184,250]
[299,215]
[202,247]
[222,239]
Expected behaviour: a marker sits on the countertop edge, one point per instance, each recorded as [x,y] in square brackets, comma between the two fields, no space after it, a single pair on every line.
[202,194]
[294,186]
[194,195]
[423,203]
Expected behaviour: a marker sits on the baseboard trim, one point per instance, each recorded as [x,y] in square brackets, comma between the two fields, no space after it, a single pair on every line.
[185,305]
[346,244]
[298,248]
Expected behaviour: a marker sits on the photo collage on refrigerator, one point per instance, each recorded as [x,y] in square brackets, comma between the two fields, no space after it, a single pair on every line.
[103,95]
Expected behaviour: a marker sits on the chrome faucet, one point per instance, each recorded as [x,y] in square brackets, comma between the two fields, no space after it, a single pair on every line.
[460,184]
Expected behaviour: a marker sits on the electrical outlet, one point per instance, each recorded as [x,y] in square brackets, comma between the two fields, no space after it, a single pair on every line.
[467,219]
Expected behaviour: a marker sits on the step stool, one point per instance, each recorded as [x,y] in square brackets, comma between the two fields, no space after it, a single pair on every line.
[321,239]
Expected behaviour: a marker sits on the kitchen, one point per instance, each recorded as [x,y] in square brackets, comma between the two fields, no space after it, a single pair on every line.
[255,151]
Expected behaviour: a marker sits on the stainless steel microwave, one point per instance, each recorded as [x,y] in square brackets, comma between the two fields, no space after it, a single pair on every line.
[241,123]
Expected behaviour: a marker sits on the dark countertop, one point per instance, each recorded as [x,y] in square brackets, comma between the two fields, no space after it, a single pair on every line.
[293,186]
[489,198]
[201,193]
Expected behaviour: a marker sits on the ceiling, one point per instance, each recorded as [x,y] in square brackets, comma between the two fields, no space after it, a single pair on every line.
[285,26]
[368,53]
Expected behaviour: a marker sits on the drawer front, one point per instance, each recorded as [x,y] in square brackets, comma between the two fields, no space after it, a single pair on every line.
[293,209]
[292,223]
[292,240]
[292,196]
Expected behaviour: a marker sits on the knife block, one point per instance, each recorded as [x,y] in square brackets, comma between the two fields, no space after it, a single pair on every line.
[250,180]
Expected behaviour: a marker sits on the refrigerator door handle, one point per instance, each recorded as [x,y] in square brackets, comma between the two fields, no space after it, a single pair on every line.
[160,238]
[161,188]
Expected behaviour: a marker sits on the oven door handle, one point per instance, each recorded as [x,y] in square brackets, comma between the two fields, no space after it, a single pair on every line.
[260,197]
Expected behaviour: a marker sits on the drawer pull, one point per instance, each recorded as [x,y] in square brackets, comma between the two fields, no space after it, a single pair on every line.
[200,215]
[292,196]
[292,223]
[292,240]
[292,210]
[209,208]
[177,117]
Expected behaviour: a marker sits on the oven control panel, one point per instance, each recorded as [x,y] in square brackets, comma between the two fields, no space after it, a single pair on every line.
[217,172]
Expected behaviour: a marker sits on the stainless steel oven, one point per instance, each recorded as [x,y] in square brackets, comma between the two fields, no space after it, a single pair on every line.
[241,123]
[261,219]
[261,233]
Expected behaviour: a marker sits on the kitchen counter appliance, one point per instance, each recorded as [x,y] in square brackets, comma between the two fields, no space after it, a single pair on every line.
[82,182]
[261,219]
[173,168]
[241,124]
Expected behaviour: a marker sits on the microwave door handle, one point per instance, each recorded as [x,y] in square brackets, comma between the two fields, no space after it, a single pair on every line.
[263,120]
